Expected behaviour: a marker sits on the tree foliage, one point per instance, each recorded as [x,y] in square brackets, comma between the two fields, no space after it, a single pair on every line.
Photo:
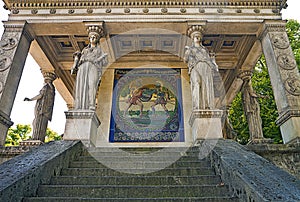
[262,86]
[17,134]
[22,132]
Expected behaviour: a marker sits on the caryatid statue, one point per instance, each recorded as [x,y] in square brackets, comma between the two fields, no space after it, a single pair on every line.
[251,107]
[88,65]
[43,107]
[201,65]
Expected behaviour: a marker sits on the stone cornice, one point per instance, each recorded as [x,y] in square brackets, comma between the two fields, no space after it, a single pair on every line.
[5,120]
[284,116]
[82,114]
[278,4]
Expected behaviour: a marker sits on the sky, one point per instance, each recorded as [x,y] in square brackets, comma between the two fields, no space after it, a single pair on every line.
[32,81]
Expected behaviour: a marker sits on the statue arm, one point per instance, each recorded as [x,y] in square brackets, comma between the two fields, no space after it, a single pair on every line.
[213,61]
[37,97]
[186,54]
[76,56]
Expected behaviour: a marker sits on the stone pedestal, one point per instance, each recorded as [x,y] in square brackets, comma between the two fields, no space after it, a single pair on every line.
[206,124]
[82,125]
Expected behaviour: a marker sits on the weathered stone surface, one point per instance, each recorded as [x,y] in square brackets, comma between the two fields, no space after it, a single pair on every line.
[286,157]
[251,177]
[7,153]
[21,175]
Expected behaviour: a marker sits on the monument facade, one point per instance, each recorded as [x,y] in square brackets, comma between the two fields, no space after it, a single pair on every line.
[151,35]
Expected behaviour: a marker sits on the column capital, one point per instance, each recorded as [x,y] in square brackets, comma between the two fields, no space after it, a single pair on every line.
[95,27]
[51,76]
[244,75]
[195,27]
[272,26]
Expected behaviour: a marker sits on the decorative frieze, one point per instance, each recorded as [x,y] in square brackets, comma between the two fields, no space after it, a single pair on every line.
[114,3]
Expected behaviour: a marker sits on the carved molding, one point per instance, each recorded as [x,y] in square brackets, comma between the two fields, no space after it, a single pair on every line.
[196,114]
[286,61]
[280,41]
[115,3]
[275,27]
[292,86]
[5,120]
[86,114]
[284,116]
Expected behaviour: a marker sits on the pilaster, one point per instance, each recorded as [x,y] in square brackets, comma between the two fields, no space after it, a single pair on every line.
[14,47]
[284,76]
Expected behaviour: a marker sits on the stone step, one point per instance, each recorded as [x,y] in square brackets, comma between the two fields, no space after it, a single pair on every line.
[141,164]
[141,150]
[157,153]
[146,171]
[125,191]
[166,199]
[138,158]
[136,180]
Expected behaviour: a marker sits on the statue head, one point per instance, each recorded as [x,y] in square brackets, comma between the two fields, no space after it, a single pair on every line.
[95,33]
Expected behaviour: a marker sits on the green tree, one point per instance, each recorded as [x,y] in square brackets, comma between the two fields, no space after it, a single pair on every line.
[262,86]
[22,132]
[293,32]
[52,135]
[17,134]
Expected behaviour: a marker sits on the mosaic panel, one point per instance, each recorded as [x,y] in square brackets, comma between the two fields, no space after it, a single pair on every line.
[147,106]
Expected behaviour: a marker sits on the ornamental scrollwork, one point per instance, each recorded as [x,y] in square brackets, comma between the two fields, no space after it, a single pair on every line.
[280,41]
[286,61]
[8,43]
[5,63]
[292,85]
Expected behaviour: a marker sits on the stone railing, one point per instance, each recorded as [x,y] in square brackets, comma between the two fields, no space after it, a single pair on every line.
[251,177]
[20,176]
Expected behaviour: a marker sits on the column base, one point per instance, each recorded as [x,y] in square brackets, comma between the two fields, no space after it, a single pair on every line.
[82,125]
[289,123]
[206,124]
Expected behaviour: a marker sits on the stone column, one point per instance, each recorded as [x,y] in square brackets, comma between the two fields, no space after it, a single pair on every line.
[14,47]
[285,78]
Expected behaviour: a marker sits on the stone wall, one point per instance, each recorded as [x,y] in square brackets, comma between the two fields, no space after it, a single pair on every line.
[284,156]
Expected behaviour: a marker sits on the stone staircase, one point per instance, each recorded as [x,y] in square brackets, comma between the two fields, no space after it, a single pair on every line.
[141,174]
